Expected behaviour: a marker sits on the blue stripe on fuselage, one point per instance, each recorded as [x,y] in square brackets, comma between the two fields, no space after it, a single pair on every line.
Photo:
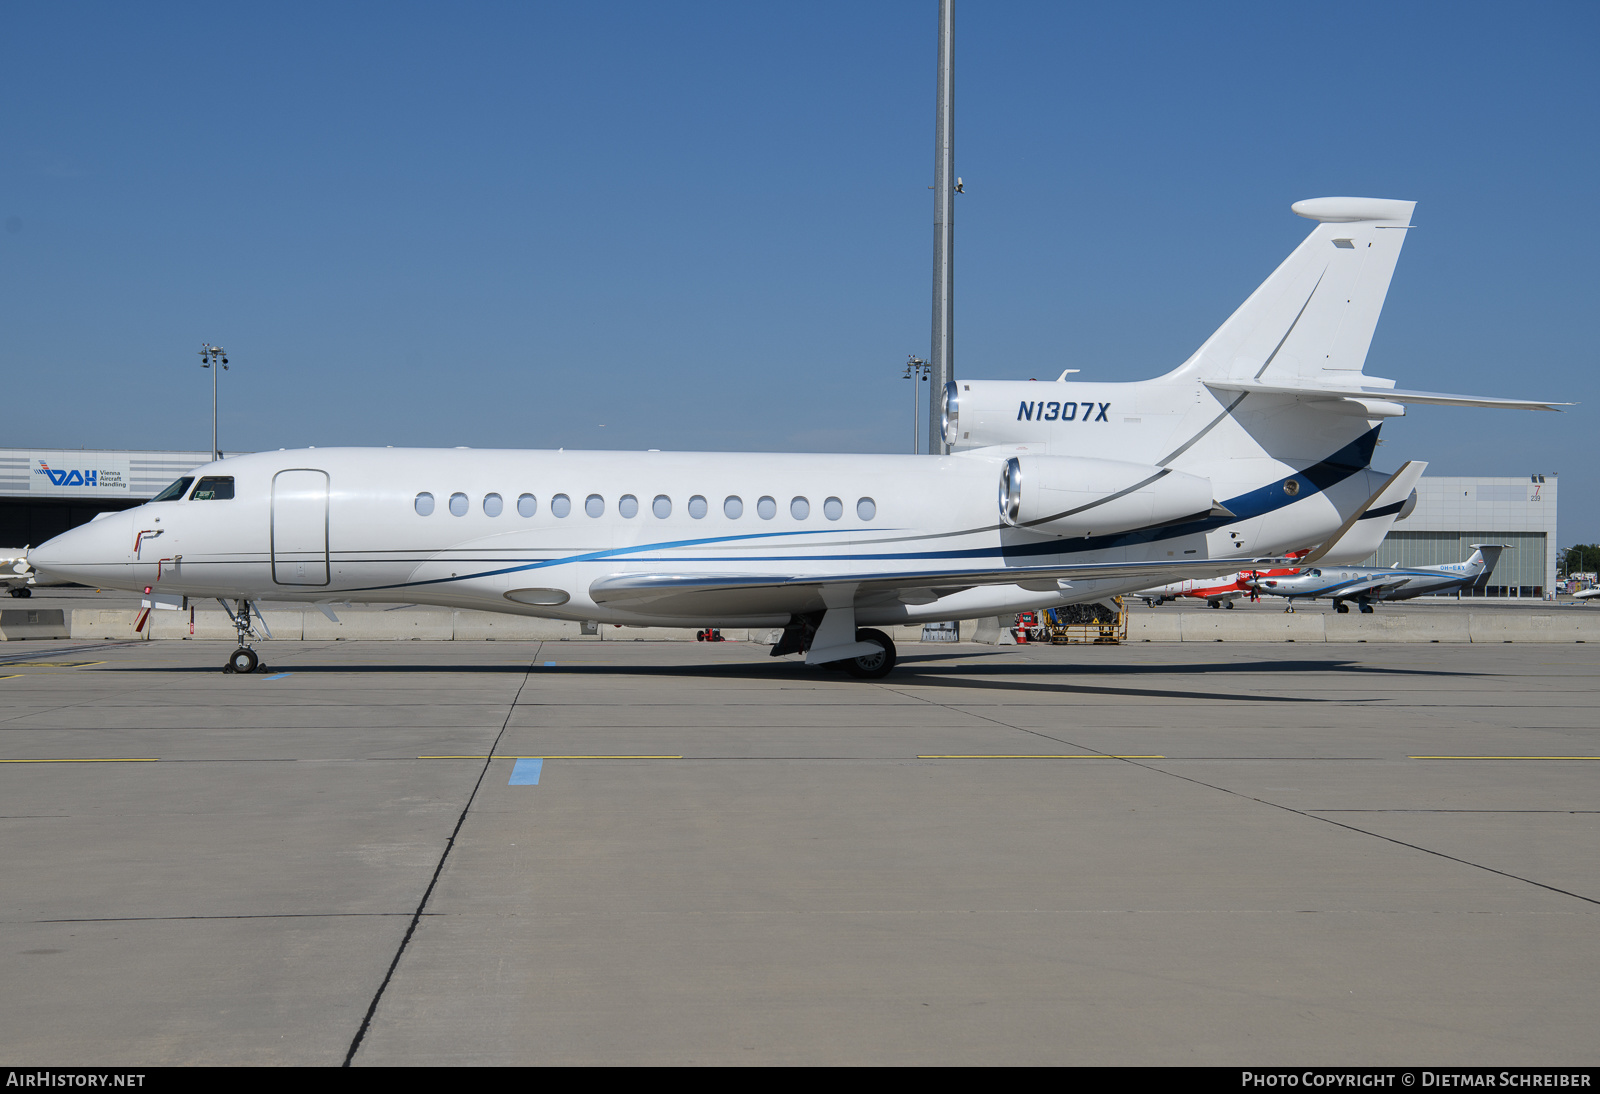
[1349,460]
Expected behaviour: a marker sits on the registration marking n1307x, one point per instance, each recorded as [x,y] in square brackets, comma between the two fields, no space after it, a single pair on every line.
[1062,412]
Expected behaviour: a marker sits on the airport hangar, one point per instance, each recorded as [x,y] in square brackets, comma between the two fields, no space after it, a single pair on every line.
[44,492]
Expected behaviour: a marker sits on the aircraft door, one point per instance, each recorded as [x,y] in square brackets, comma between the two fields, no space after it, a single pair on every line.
[300,527]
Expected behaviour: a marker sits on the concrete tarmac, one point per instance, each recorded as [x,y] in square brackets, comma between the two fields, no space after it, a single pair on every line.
[1149,854]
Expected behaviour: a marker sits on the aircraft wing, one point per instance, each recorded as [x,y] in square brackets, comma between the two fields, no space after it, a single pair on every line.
[763,594]
[1373,586]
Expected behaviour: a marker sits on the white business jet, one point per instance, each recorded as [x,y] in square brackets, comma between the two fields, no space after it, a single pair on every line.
[1053,493]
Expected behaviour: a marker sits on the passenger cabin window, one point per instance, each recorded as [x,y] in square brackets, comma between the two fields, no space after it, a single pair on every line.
[799,508]
[662,506]
[766,508]
[560,505]
[628,506]
[866,508]
[594,505]
[492,505]
[176,490]
[458,505]
[733,507]
[833,508]
[424,504]
[527,505]
[214,488]
[697,507]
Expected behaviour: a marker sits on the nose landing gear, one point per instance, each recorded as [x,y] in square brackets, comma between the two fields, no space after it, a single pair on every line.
[243,659]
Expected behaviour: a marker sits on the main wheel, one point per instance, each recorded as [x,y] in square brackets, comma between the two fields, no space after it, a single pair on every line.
[1366,609]
[1230,605]
[242,661]
[1216,603]
[872,666]
[22,592]
[1342,608]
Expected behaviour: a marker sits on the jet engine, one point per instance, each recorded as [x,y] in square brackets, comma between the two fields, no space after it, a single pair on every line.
[1072,496]
[981,413]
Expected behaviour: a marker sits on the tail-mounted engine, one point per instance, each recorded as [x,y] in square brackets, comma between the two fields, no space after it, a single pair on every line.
[980,413]
[1071,496]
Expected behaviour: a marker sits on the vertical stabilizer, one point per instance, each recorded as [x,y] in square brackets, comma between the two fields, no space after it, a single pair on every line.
[1311,322]
[1486,555]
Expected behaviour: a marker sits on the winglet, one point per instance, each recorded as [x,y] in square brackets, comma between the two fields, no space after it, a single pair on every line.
[1394,492]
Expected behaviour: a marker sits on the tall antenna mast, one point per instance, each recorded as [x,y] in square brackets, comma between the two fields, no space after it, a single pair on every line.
[942,357]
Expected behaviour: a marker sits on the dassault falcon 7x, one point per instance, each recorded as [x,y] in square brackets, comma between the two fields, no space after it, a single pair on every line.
[1260,443]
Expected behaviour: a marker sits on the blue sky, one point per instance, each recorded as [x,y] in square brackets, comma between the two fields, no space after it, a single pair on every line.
[707,225]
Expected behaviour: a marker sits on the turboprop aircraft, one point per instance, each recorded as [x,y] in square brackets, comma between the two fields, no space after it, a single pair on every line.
[1216,591]
[1259,443]
[1364,584]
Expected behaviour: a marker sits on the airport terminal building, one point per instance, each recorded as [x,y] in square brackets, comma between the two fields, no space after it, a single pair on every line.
[45,492]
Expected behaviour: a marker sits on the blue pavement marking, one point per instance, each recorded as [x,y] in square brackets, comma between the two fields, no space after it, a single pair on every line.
[549,664]
[526,773]
[278,676]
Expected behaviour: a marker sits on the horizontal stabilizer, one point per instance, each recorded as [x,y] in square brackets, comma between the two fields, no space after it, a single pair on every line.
[1384,394]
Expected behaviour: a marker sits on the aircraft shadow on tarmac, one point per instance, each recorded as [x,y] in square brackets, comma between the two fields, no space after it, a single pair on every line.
[995,673]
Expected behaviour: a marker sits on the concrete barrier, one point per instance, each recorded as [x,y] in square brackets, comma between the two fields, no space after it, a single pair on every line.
[394,626]
[1155,627]
[438,625]
[469,626]
[21,623]
[216,626]
[92,623]
[1224,626]
[610,632]
[1381,626]
[1522,626]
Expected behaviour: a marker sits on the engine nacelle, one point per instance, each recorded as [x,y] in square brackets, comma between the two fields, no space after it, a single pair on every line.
[1072,496]
[982,413]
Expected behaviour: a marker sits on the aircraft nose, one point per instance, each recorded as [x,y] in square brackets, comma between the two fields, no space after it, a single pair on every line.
[90,554]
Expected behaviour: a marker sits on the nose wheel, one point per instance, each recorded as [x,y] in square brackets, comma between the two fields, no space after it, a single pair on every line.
[243,659]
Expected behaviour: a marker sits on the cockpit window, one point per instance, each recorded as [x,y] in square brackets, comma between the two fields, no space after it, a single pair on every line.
[176,490]
[213,488]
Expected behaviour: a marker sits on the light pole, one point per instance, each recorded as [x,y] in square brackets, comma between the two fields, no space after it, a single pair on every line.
[213,358]
[946,186]
[915,367]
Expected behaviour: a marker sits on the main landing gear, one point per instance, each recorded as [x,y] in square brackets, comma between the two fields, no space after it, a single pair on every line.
[871,666]
[872,654]
[243,659]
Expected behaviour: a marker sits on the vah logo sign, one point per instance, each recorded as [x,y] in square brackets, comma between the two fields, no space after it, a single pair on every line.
[91,474]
